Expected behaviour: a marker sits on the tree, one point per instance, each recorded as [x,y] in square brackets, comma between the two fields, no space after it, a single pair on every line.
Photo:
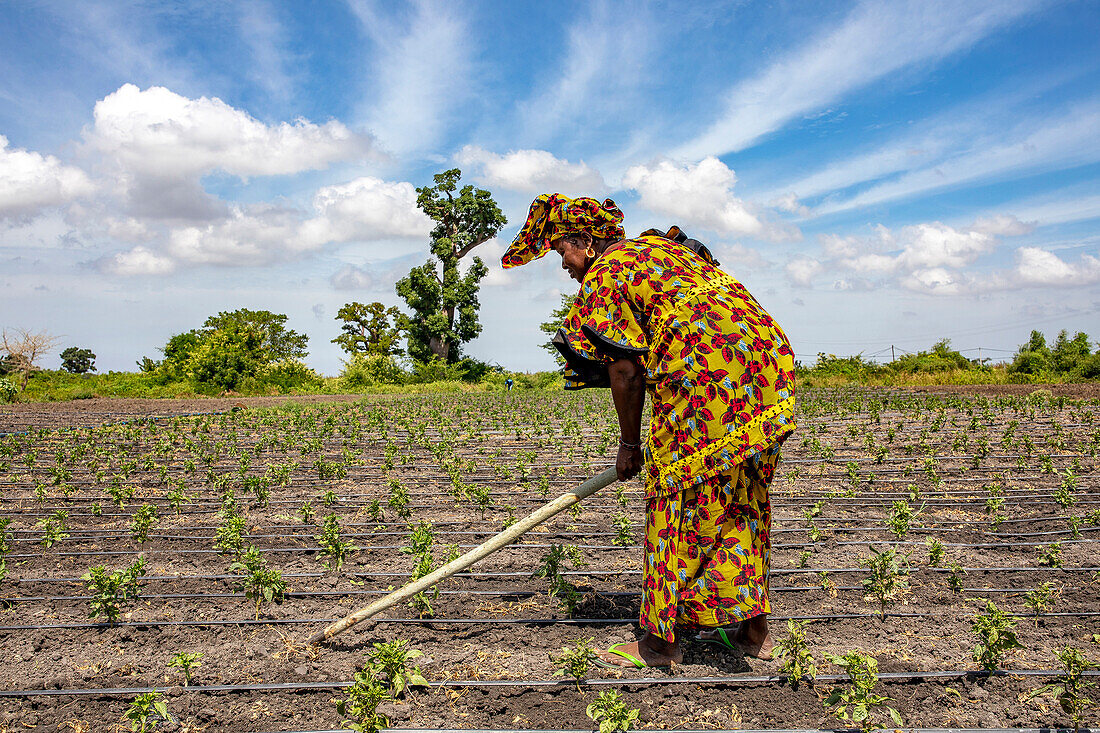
[22,349]
[77,361]
[277,341]
[443,300]
[367,329]
[557,317]
[227,356]
[1068,354]
[1032,357]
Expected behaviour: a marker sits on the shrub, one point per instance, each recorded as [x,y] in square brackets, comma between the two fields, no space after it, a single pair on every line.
[367,370]
[8,389]
[77,361]
[610,712]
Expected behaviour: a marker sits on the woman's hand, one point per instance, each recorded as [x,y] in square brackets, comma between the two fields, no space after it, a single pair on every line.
[629,463]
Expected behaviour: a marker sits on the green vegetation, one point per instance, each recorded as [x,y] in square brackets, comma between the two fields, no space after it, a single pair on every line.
[75,360]
[143,708]
[858,702]
[609,711]
[185,662]
[797,661]
[389,661]
[996,636]
[109,589]
[575,660]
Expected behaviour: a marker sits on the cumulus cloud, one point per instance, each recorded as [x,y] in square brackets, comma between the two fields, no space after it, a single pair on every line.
[30,182]
[159,132]
[366,208]
[701,195]
[137,261]
[789,202]
[532,170]
[803,270]
[1035,266]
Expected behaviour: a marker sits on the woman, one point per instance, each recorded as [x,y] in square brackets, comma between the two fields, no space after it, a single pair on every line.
[656,313]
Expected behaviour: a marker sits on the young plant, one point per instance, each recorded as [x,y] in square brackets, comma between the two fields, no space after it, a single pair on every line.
[551,568]
[996,636]
[333,548]
[1041,599]
[858,702]
[109,589]
[610,713]
[399,499]
[306,513]
[144,517]
[229,536]
[624,529]
[260,583]
[887,581]
[185,662]
[575,660]
[954,578]
[935,552]
[798,664]
[53,528]
[1050,557]
[360,704]
[1070,688]
[143,708]
[390,661]
[901,516]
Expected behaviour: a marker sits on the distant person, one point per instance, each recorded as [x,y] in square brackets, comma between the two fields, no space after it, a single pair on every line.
[508,384]
[655,313]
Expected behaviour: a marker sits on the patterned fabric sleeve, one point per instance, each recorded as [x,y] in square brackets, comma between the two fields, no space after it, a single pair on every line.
[600,328]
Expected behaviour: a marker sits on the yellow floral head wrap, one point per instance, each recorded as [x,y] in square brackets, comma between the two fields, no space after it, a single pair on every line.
[554,216]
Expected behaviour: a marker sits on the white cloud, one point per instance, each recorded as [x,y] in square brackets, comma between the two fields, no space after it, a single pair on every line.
[936,245]
[1003,225]
[30,182]
[350,277]
[875,40]
[700,195]
[252,236]
[532,170]
[421,73]
[803,270]
[789,202]
[1037,266]
[934,281]
[365,209]
[159,133]
[137,261]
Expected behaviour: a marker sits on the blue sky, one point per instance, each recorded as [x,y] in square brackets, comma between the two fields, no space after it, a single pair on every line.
[876,173]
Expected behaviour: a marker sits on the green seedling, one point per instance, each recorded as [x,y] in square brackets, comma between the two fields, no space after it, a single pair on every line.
[53,528]
[901,516]
[624,529]
[1041,599]
[797,661]
[328,498]
[887,581]
[360,704]
[109,589]
[936,552]
[1051,556]
[996,636]
[1070,690]
[334,549]
[143,708]
[858,703]
[306,513]
[803,559]
[954,578]
[610,712]
[144,518]
[185,662]
[575,660]
[399,499]
[229,536]
[390,661]
[260,582]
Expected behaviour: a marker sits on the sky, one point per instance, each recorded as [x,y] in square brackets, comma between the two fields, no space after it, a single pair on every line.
[877,173]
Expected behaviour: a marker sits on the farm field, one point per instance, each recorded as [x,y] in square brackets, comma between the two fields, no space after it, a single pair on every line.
[976,497]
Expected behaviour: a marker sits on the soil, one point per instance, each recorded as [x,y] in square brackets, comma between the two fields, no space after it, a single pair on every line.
[497,624]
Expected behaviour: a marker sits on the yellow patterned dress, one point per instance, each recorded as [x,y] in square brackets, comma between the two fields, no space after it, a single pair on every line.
[720,374]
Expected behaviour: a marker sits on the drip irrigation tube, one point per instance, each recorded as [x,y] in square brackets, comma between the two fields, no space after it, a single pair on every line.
[599,681]
[488,621]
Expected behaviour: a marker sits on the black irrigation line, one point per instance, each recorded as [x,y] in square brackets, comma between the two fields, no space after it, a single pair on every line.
[542,546]
[563,683]
[510,592]
[632,620]
[576,573]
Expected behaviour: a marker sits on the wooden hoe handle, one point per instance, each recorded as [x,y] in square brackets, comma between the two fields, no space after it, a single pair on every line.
[505,538]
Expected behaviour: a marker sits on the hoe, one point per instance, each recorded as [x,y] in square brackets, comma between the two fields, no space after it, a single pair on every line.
[505,538]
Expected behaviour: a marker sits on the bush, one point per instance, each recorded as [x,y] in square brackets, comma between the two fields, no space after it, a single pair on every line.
[8,389]
[367,370]
[225,357]
[437,370]
[77,361]
[287,375]
[941,358]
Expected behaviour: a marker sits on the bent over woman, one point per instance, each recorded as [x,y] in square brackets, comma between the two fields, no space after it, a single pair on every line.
[655,314]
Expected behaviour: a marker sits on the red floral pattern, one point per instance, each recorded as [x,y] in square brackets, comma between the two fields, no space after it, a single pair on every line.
[720,371]
[707,551]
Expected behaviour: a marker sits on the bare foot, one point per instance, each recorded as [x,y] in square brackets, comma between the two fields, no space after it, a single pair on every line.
[751,637]
[653,650]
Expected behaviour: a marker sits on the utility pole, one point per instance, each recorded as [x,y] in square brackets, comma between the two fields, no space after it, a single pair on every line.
[979,356]
[891,352]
